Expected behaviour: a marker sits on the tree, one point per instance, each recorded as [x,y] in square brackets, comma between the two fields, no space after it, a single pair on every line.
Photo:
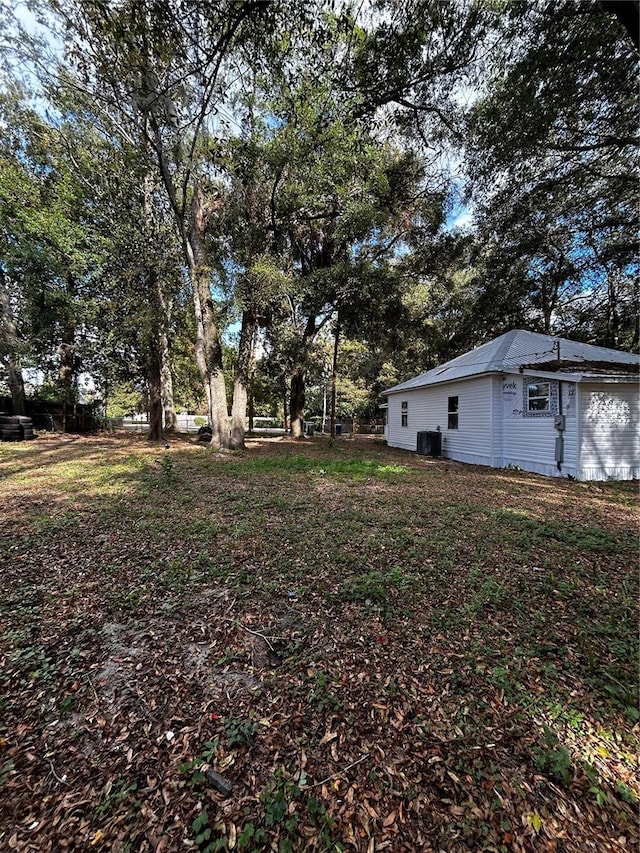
[154,74]
[553,165]
[342,205]
[48,252]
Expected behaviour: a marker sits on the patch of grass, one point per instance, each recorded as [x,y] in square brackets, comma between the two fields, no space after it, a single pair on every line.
[531,531]
[356,469]
[376,587]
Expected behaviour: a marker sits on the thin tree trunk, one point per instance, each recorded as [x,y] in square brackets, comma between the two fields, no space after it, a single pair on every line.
[16,386]
[67,348]
[9,349]
[612,314]
[297,397]
[166,385]
[155,400]
[324,406]
[334,374]
[250,404]
[285,407]
[161,317]
[154,361]
[199,345]
[241,385]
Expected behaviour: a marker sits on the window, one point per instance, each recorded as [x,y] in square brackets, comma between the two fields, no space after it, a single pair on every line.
[405,413]
[452,413]
[538,397]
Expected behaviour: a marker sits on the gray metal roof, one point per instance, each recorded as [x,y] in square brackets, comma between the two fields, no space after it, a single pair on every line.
[513,350]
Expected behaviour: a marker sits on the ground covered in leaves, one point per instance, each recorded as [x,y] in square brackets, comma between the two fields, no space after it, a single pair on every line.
[316,645]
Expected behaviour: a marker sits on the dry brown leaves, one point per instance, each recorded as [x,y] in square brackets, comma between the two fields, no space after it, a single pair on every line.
[340,723]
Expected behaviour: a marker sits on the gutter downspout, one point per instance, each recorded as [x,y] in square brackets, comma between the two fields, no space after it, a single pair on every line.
[578,436]
[559,423]
[560,438]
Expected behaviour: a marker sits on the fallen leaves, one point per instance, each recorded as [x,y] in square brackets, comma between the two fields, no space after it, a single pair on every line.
[400,711]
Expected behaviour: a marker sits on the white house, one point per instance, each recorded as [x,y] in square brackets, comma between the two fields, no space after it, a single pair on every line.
[526,400]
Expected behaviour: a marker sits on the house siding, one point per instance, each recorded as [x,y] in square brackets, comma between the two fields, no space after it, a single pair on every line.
[503,422]
[529,443]
[492,427]
[427,410]
[609,431]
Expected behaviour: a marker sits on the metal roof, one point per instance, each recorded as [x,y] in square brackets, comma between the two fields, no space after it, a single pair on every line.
[519,348]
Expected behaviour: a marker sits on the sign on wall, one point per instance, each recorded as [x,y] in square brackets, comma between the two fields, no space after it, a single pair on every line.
[511,398]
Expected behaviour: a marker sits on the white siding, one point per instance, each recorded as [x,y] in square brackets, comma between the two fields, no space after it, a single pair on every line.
[529,443]
[497,421]
[427,410]
[601,439]
[609,431]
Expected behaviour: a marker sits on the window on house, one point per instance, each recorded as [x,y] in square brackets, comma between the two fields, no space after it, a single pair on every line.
[538,397]
[452,413]
[404,417]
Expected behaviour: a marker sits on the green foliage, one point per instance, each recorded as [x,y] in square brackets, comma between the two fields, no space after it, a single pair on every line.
[531,529]
[33,660]
[549,160]
[356,469]
[288,808]
[626,794]
[6,769]
[167,469]
[192,768]
[241,732]
[203,835]
[119,791]
[320,694]
[376,589]
[123,399]
[552,757]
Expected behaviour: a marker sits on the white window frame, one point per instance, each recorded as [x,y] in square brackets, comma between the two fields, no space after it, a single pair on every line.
[453,412]
[404,413]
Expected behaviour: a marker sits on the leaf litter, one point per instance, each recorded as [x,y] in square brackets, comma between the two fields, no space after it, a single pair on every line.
[313,646]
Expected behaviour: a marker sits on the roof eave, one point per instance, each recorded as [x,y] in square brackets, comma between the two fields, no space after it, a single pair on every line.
[403,390]
[579,377]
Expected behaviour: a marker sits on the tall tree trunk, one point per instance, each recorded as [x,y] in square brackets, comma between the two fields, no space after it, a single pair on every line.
[251,412]
[153,361]
[166,385]
[159,341]
[9,349]
[155,399]
[612,313]
[16,385]
[208,342]
[297,398]
[67,354]
[241,385]
[334,376]
[285,407]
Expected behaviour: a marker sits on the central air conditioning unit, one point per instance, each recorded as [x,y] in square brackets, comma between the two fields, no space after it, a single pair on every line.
[429,443]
